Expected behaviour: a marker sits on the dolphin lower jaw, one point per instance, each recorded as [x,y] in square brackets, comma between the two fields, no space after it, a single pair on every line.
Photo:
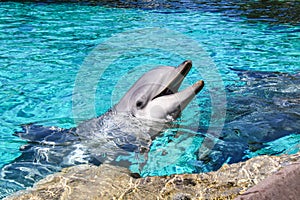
[186,95]
[169,107]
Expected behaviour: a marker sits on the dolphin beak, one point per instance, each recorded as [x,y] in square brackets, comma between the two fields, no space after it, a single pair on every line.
[198,86]
[185,67]
[182,70]
[176,79]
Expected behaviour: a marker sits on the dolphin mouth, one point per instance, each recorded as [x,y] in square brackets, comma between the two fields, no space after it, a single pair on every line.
[175,82]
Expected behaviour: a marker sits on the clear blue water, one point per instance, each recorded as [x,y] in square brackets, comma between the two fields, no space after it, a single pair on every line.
[44,46]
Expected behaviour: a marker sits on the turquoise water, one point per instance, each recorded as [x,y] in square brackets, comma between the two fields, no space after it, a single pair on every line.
[43,47]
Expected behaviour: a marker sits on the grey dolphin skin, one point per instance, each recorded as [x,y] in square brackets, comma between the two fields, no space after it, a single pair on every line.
[129,127]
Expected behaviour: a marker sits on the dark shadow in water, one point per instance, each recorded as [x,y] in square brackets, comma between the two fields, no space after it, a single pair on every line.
[272,11]
[265,108]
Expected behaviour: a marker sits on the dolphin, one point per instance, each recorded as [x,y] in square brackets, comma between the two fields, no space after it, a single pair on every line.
[128,127]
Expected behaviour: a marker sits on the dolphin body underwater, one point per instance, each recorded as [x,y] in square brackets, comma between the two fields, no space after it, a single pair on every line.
[129,127]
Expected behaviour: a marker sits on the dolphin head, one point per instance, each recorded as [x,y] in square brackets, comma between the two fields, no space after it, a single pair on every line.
[155,95]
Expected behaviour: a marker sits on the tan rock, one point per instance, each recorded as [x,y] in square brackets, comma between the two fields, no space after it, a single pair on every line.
[111,182]
[284,184]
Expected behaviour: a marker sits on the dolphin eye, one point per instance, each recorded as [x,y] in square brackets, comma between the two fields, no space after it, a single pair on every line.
[139,104]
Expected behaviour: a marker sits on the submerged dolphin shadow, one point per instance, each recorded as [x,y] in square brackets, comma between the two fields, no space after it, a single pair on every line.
[263,110]
[127,128]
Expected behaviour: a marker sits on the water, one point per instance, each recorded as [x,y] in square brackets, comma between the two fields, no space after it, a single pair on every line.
[43,47]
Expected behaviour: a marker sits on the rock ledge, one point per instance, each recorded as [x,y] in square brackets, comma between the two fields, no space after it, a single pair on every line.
[111,182]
